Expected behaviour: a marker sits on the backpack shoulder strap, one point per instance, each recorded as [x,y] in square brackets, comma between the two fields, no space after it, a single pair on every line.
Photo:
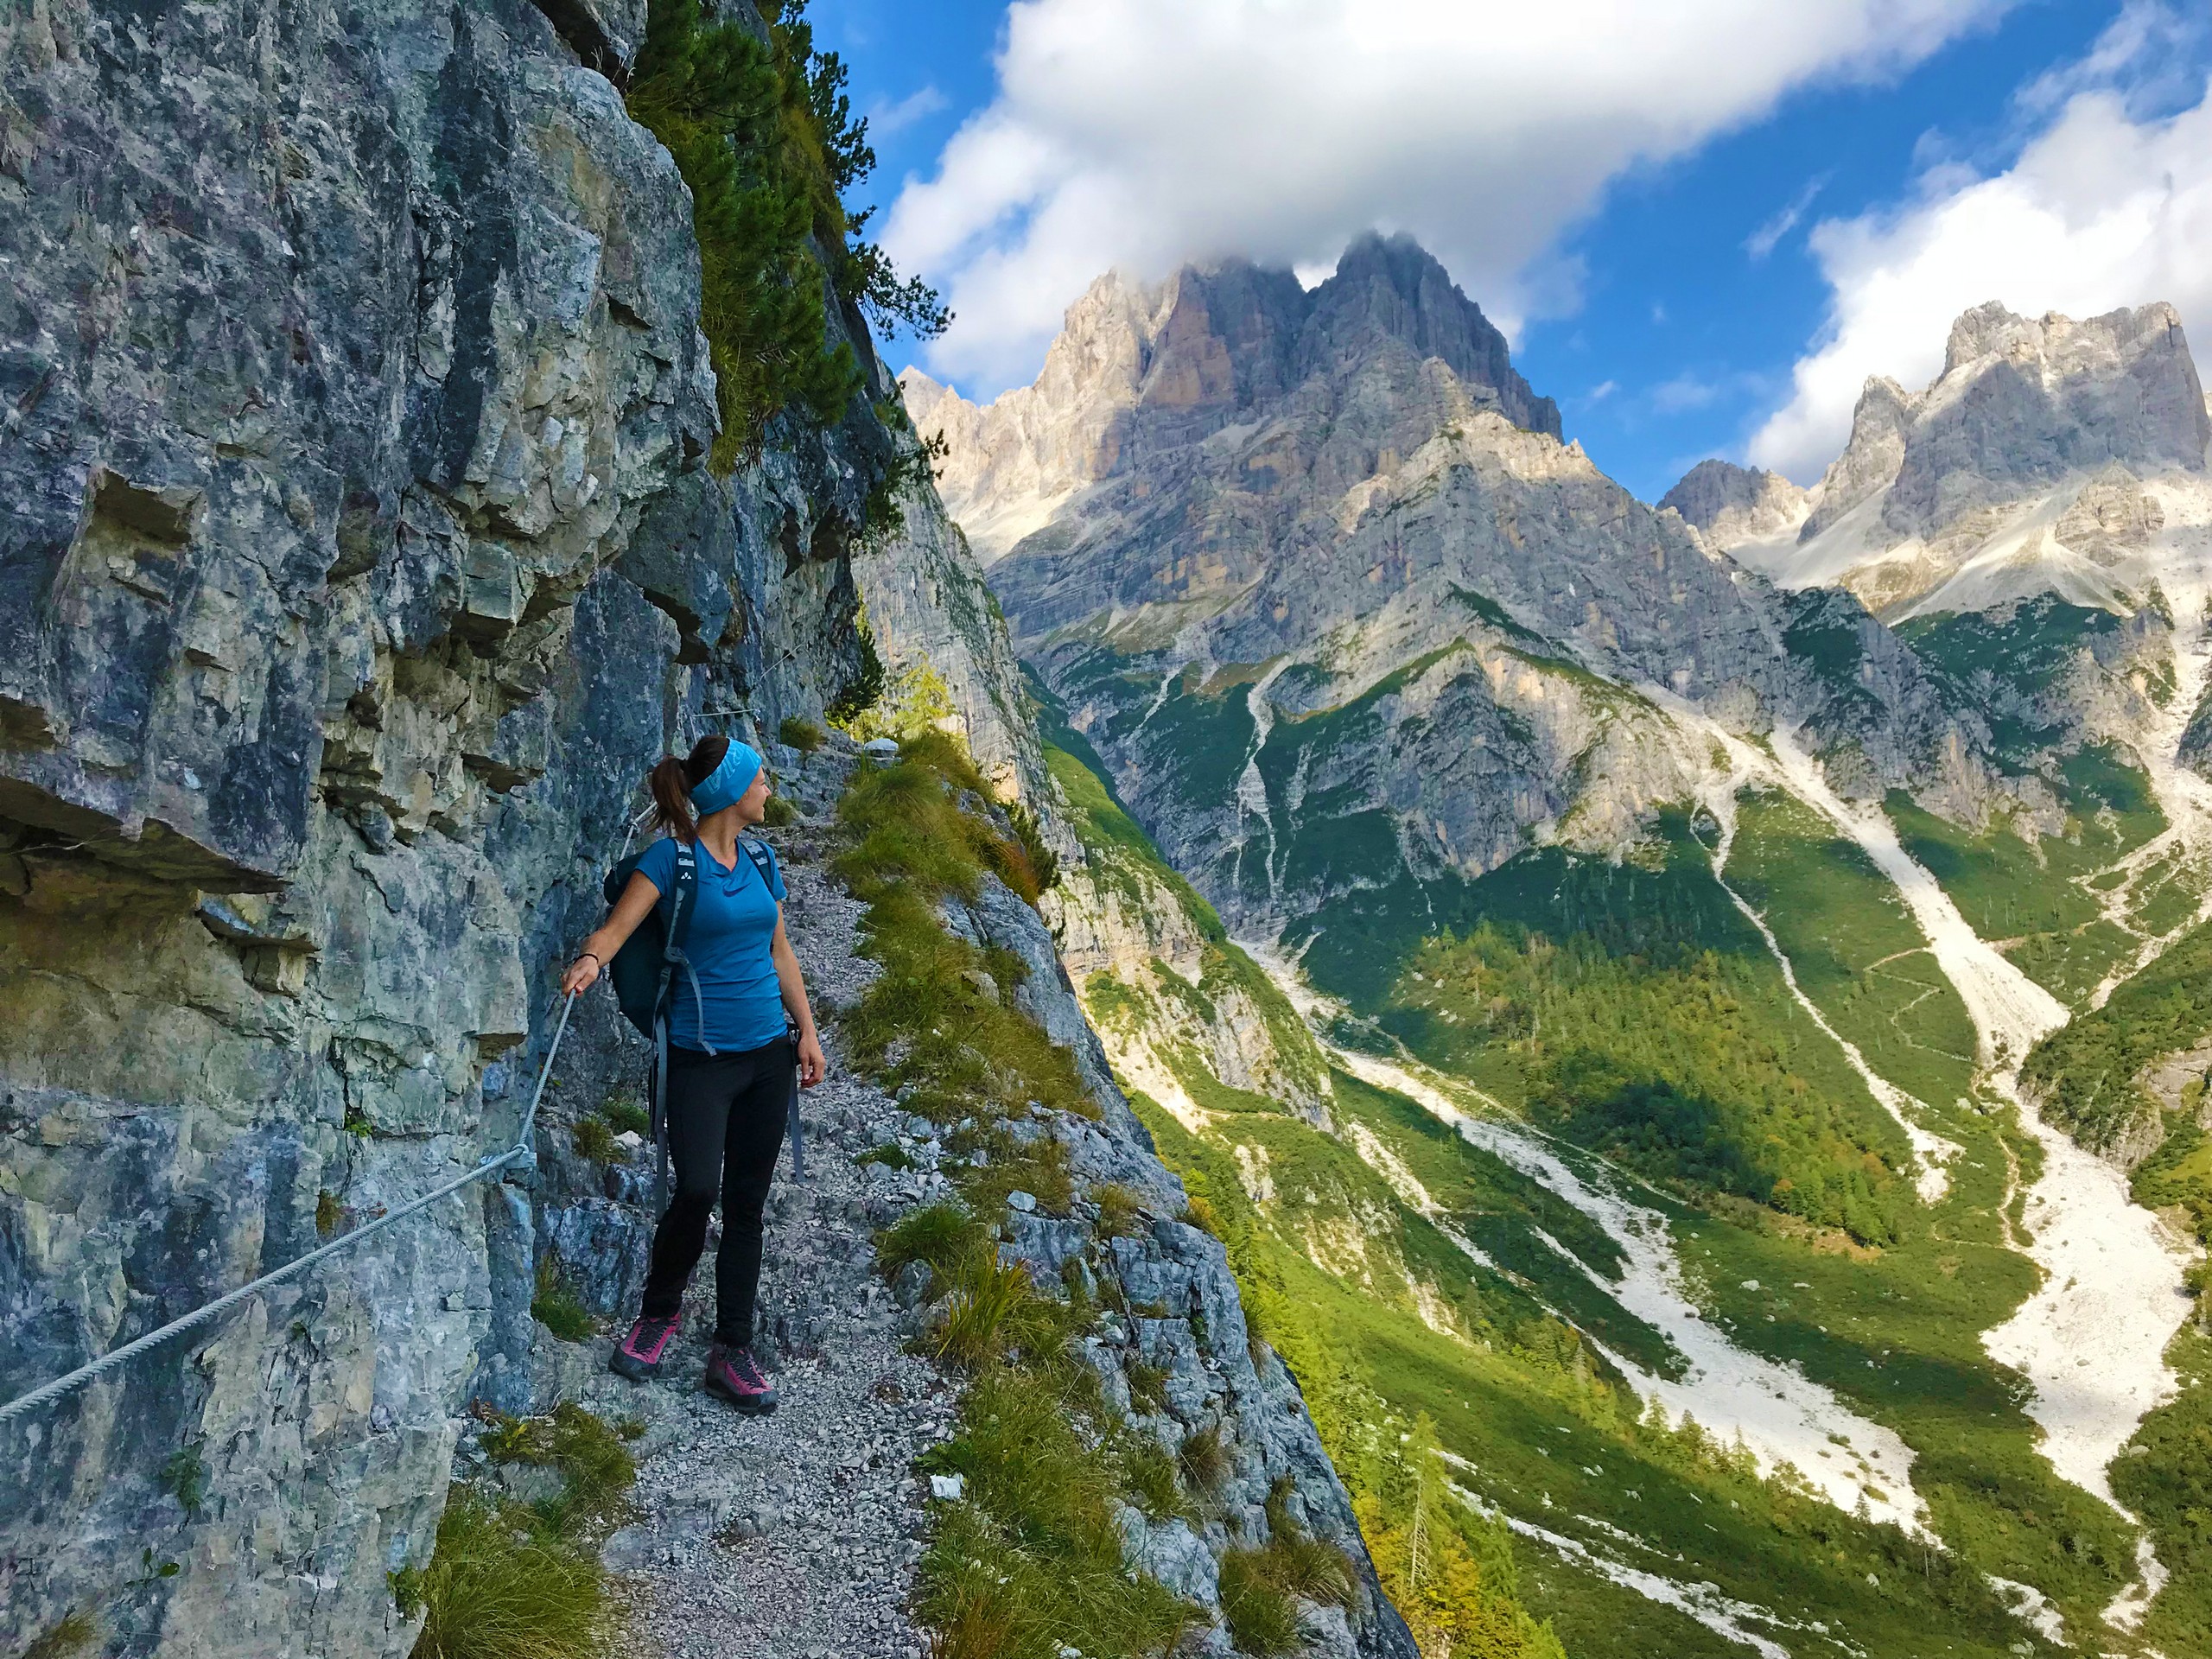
[763,860]
[682,902]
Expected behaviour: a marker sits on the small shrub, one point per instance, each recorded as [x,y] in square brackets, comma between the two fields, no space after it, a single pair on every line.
[801,735]
[499,1588]
[329,1212]
[1262,1619]
[594,1140]
[1201,1215]
[185,1476]
[890,1154]
[1042,861]
[627,1116]
[1120,1211]
[556,1307]
[1203,1459]
[778,813]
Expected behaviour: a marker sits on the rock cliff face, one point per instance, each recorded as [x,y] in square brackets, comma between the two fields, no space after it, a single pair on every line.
[1338,605]
[360,559]
[1139,372]
[1733,505]
[2050,455]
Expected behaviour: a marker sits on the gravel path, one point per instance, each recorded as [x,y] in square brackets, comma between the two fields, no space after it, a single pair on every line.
[799,1530]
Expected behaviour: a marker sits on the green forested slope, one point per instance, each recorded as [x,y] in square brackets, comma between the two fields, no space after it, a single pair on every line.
[1576,991]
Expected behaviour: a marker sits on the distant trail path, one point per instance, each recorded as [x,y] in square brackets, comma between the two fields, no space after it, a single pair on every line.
[1934,1152]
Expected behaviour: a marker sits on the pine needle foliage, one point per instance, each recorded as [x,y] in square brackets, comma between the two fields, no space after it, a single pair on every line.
[762,131]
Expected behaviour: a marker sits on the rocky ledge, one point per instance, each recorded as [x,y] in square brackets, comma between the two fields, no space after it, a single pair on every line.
[809,1525]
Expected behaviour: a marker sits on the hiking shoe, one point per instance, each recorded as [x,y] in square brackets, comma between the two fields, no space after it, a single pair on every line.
[736,1376]
[638,1354]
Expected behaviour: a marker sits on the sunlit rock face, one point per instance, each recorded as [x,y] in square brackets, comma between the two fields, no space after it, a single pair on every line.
[2051,455]
[1731,505]
[1316,570]
[1141,369]
[358,558]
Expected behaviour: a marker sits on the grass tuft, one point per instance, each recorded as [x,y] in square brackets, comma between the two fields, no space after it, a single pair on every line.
[1031,1559]
[75,1633]
[1262,1619]
[627,1116]
[977,1323]
[1203,1459]
[1122,1213]
[329,1212]
[801,735]
[1148,1477]
[554,1305]
[594,1139]
[499,1586]
[1147,1386]
[939,1236]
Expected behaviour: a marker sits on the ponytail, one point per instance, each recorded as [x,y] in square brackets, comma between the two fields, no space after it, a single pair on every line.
[672,782]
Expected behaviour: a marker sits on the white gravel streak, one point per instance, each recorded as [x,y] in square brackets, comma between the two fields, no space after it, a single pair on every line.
[1781,1415]
[1933,1151]
[1702,1600]
[2092,1341]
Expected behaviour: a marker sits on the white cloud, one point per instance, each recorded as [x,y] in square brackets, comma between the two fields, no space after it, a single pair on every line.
[2103,208]
[1685,390]
[1763,241]
[1142,133]
[885,119]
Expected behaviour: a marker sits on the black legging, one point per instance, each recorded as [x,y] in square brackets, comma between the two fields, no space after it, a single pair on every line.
[724,1128]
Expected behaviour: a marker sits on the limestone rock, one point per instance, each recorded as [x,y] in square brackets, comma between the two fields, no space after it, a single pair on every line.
[1343,585]
[359,563]
[1731,505]
[2051,455]
[1138,369]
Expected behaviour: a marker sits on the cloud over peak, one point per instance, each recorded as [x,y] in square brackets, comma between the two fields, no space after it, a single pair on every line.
[1144,133]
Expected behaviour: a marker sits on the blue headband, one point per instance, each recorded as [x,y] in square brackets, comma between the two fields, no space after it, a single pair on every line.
[721,786]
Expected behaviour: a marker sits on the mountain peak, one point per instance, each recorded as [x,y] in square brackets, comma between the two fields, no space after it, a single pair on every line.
[2024,466]
[1393,289]
[1732,504]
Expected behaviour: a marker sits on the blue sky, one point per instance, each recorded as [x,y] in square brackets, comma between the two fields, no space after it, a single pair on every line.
[1631,267]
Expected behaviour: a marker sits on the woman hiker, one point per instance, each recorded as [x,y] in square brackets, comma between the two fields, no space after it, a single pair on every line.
[729,1061]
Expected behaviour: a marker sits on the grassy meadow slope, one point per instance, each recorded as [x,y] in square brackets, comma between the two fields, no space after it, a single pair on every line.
[1417,1280]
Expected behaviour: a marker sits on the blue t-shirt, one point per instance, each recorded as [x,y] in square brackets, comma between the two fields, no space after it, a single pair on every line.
[733,924]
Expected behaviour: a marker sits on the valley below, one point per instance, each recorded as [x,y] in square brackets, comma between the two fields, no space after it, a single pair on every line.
[1726,1061]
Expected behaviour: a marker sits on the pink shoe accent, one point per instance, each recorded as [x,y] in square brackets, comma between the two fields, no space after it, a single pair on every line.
[638,1354]
[736,1375]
